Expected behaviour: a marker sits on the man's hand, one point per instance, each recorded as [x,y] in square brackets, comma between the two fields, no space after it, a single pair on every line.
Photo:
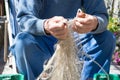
[56,26]
[84,23]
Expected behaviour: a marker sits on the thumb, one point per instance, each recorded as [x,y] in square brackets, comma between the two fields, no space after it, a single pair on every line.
[80,14]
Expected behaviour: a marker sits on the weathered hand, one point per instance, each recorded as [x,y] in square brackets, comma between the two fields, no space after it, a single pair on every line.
[84,23]
[57,26]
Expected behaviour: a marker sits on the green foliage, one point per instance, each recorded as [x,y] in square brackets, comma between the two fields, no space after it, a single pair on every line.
[114,25]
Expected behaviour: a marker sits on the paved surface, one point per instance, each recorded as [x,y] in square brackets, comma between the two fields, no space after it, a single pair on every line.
[4,68]
[114,68]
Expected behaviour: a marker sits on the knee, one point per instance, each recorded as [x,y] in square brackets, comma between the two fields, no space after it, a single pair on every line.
[23,36]
[110,36]
[110,39]
[106,38]
[107,41]
[23,39]
[22,42]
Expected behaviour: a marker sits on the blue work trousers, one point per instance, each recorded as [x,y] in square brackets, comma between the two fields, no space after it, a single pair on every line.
[31,51]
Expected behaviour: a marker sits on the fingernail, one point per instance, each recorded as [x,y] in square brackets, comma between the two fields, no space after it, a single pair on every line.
[79,10]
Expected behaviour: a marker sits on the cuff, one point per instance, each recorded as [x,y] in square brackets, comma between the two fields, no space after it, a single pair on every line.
[40,27]
[101,27]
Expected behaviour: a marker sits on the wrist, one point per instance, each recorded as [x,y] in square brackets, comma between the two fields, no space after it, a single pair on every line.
[46,27]
[96,24]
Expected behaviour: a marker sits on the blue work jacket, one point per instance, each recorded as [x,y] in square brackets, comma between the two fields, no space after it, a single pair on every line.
[31,14]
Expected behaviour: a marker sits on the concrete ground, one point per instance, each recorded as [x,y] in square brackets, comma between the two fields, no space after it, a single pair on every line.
[114,68]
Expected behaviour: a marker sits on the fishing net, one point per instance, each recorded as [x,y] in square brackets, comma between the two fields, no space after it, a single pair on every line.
[64,64]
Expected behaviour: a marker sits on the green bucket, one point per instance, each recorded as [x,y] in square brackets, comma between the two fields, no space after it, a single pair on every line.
[11,77]
[101,76]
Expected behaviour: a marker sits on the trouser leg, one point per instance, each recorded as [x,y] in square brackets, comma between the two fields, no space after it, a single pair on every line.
[30,53]
[100,48]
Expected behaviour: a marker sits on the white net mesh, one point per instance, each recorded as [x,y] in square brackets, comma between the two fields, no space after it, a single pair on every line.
[63,65]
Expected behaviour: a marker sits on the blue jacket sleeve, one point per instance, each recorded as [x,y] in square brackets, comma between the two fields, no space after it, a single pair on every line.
[98,9]
[27,16]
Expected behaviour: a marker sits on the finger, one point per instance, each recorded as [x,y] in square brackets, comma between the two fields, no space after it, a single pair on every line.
[78,24]
[83,20]
[74,27]
[80,13]
[58,19]
[59,27]
[60,35]
[81,29]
